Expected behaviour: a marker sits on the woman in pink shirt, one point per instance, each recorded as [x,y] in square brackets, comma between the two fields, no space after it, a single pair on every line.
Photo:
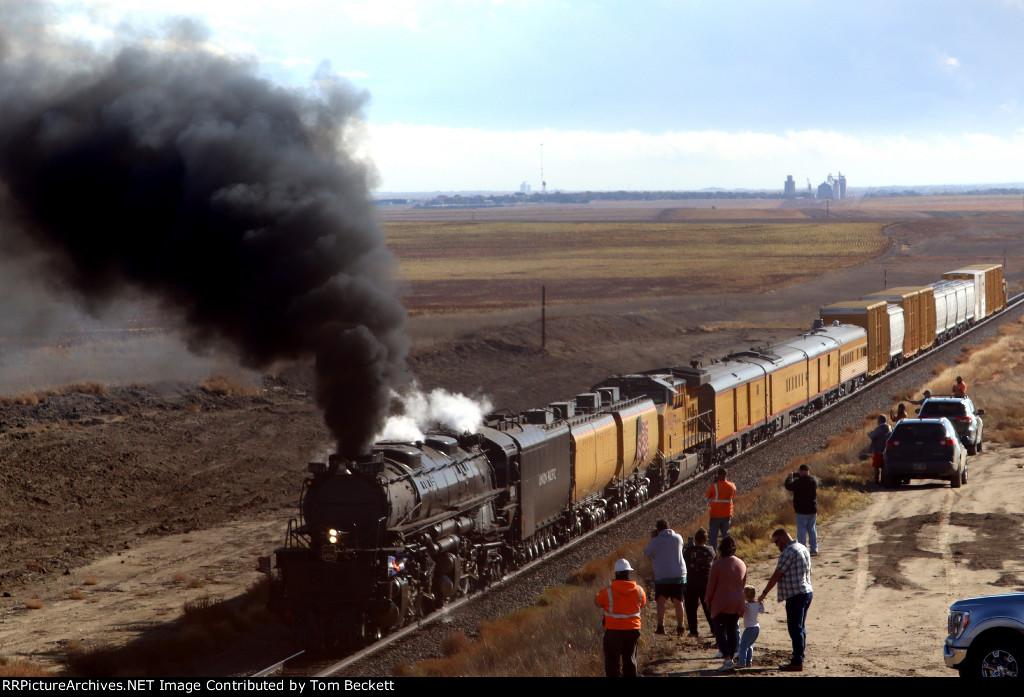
[725,598]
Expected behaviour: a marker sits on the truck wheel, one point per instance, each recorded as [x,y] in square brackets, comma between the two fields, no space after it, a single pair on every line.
[956,480]
[998,657]
[972,449]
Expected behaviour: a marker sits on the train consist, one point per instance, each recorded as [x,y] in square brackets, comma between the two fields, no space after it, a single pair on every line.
[394,535]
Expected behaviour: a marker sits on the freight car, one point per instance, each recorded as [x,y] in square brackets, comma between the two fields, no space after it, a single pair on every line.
[392,536]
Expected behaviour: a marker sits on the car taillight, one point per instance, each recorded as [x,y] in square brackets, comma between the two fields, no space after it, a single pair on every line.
[964,418]
[892,443]
[947,442]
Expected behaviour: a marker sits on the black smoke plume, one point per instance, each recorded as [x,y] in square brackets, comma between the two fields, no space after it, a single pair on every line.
[168,169]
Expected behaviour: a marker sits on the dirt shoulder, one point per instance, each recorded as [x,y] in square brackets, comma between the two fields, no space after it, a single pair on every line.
[137,596]
[886,576]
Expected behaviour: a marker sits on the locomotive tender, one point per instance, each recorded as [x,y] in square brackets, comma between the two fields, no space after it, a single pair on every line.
[386,539]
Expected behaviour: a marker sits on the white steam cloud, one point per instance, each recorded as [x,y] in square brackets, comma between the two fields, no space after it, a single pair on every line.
[423,411]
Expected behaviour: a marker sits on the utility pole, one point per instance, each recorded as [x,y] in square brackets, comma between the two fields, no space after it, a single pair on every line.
[543,316]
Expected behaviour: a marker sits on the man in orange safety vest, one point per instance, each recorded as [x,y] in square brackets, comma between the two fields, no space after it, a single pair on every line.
[720,494]
[621,602]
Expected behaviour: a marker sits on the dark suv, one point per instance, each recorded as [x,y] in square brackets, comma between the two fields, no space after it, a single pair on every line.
[924,449]
[962,414]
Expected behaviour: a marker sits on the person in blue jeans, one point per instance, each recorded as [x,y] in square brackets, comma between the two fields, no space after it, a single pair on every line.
[793,577]
[805,504]
[751,628]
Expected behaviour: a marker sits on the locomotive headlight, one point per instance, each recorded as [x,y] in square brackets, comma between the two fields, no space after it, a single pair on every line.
[332,536]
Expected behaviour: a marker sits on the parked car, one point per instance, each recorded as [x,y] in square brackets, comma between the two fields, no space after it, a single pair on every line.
[924,449]
[986,636]
[963,415]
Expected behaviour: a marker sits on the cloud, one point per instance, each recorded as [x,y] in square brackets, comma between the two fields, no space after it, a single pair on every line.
[950,62]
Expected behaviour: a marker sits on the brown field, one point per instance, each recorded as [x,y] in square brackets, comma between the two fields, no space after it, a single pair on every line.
[458,267]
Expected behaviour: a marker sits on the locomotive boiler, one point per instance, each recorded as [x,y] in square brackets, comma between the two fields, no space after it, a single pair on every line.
[389,537]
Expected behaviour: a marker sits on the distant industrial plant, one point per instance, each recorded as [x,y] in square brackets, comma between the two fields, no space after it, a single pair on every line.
[833,188]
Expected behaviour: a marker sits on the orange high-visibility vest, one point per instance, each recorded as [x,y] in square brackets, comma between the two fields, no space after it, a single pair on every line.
[621,603]
[721,495]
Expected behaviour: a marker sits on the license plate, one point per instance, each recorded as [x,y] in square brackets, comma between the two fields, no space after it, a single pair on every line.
[920,466]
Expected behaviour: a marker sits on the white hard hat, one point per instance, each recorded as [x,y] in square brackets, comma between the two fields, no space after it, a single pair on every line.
[622,565]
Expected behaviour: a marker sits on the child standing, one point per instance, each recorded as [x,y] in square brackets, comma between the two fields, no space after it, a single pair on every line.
[751,628]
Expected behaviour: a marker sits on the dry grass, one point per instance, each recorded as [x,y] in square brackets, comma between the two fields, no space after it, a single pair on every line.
[476,266]
[90,581]
[34,604]
[981,203]
[18,668]
[226,385]
[34,398]
[76,594]
[527,642]
[189,581]
[994,373]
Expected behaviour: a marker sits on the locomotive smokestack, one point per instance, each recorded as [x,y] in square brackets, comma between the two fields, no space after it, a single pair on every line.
[185,175]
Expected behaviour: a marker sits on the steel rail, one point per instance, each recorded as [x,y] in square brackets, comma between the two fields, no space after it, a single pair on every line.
[270,670]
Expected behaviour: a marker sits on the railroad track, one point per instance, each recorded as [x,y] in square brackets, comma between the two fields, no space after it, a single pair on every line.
[300,663]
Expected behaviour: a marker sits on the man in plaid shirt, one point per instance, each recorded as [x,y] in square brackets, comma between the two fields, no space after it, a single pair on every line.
[793,576]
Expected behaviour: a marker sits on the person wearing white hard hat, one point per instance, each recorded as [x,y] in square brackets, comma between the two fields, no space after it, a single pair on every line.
[621,602]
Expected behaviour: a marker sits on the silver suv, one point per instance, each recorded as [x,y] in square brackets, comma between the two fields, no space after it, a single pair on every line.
[962,414]
[986,636]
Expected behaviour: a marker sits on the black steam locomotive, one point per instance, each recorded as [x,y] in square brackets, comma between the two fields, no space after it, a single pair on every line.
[387,539]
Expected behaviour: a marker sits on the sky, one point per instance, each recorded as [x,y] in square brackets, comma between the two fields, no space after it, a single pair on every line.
[471,95]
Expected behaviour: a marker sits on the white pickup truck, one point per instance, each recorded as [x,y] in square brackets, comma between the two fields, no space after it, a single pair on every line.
[986,636]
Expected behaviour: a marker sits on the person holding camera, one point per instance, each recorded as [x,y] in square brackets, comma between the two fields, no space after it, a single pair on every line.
[805,504]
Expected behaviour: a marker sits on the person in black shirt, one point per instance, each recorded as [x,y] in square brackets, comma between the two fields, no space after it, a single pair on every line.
[698,557]
[805,503]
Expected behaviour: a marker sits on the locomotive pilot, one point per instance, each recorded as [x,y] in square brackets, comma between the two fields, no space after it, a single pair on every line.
[621,602]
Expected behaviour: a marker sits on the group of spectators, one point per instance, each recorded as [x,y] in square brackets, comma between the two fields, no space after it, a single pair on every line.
[692,574]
